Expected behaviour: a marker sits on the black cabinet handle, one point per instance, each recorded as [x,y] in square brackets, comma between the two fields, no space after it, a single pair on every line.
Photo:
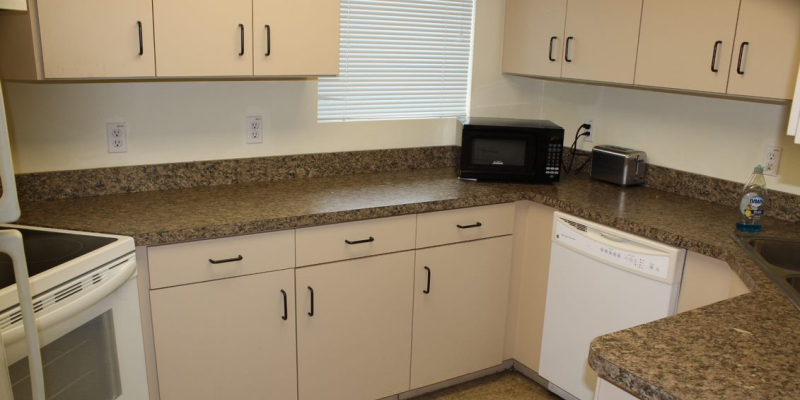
[285,306]
[371,239]
[428,289]
[269,41]
[227,260]
[714,56]
[241,30]
[311,313]
[141,39]
[739,69]
[566,49]
[550,53]
[475,225]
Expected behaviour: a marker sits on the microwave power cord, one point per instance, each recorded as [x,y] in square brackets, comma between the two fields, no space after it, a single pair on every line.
[574,148]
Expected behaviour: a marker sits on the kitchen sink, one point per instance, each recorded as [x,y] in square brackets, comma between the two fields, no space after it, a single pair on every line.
[778,258]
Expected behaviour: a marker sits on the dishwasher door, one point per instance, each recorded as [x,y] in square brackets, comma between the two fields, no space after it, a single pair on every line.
[600,281]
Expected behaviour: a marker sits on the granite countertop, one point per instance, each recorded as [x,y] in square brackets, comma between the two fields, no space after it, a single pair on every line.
[746,347]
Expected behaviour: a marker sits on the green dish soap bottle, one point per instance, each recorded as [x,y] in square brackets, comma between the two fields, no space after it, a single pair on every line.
[753,202]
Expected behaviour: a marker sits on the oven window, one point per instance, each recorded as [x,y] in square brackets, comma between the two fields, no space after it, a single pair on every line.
[81,365]
[498,152]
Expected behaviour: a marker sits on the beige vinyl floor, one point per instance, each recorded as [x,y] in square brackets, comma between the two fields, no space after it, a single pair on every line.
[507,385]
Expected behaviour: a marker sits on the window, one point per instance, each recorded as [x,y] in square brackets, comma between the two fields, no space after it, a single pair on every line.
[400,59]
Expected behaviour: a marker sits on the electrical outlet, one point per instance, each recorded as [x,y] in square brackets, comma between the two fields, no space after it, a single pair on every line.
[590,137]
[771,161]
[255,130]
[117,137]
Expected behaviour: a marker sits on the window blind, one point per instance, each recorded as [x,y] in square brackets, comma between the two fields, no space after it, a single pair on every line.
[400,59]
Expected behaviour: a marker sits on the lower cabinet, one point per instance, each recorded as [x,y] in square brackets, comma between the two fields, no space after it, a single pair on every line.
[227,339]
[460,304]
[354,328]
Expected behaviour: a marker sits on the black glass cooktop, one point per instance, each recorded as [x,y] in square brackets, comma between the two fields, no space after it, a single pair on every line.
[45,250]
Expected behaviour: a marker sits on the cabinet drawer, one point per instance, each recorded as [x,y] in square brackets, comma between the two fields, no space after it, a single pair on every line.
[453,226]
[321,244]
[184,263]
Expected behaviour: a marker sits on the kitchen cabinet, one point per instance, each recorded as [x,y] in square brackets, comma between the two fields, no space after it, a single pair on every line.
[534,37]
[203,37]
[599,42]
[299,37]
[227,339]
[97,38]
[686,44]
[766,49]
[354,327]
[460,303]
[707,280]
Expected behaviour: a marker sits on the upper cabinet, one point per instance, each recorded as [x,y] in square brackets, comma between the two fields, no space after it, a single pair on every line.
[291,42]
[80,39]
[534,37]
[686,44]
[767,49]
[738,47]
[584,39]
[601,40]
[117,43]
[203,37]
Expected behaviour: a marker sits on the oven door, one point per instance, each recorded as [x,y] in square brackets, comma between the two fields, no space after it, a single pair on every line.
[92,345]
[487,155]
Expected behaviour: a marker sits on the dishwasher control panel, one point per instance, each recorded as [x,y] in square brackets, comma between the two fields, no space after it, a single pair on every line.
[618,252]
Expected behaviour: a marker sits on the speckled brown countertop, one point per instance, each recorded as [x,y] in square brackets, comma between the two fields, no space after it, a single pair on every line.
[748,347]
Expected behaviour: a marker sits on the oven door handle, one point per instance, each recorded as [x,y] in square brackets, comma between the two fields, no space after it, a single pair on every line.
[121,274]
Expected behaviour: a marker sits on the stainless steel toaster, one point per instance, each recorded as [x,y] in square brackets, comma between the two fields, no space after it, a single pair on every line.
[619,165]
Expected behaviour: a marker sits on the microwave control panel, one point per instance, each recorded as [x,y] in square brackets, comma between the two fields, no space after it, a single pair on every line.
[553,164]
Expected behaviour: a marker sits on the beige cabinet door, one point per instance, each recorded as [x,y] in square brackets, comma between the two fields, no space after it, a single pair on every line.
[354,327]
[534,37]
[601,40]
[767,49]
[97,38]
[203,37]
[460,304]
[299,37]
[227,339]
[686,44]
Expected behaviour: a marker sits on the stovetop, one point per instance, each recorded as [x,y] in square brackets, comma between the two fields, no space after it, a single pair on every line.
[45,250]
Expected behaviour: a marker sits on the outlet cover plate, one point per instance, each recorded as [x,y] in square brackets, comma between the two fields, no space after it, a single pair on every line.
[117,134]
[255,130]
[772,160]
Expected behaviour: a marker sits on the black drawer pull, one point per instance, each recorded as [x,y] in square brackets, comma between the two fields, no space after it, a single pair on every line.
[311,313]
[550,53]
[241,30]
[428,289]
[739,69]
[227,260]
[371,239]
[714,67]
[141,39]
[475,225]
[566,50]
[285,306]
[269,41]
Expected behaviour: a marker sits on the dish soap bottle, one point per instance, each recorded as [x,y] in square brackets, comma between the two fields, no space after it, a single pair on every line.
[753,202]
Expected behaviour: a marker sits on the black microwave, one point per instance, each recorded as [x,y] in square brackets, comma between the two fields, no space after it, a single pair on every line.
[510,150]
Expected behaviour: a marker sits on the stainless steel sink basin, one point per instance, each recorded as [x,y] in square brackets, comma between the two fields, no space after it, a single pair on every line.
[778,258]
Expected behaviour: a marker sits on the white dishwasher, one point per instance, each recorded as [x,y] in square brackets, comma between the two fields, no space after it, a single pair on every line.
[600,281]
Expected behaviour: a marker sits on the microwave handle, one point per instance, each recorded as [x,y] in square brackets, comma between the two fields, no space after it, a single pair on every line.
[11,244]
[9,204]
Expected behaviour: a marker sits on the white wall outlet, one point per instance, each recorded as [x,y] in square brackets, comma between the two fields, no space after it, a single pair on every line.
[772,159]
[590,137]
[255,130]
[117,137]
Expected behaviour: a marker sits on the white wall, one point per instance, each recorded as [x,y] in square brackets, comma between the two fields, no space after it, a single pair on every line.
[718,137]
[62,126]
